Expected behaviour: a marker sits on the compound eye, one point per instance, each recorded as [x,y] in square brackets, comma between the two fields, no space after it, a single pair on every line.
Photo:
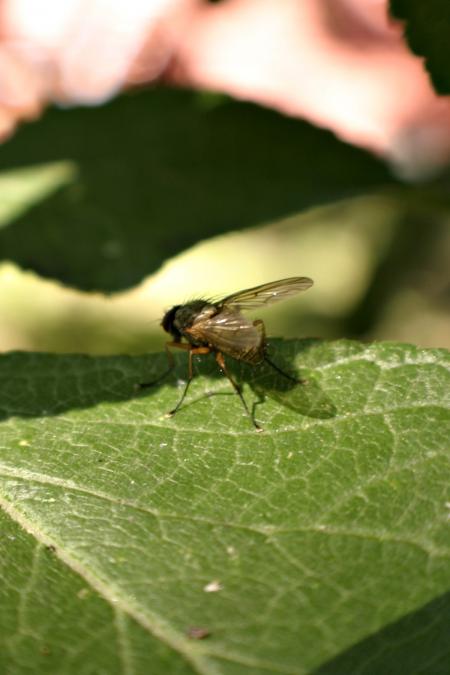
[168,320]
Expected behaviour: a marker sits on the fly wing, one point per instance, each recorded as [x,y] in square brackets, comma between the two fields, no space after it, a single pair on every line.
[231,333]
[267,293]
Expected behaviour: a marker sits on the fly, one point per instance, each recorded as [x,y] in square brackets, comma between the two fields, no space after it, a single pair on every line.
[221,328]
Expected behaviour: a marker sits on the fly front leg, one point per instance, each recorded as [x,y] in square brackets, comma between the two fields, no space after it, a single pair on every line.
[221,363]
[192,352]
[171,361]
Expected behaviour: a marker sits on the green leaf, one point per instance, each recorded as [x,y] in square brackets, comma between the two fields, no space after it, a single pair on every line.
[158,171]
[427,32]
[20,189]
[321,544]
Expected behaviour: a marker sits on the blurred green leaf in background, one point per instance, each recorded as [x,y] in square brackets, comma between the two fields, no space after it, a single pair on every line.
[378,251]
[427,26]
[157,172]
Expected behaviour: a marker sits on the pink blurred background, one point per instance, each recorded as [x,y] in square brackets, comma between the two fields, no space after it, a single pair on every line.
[340,64]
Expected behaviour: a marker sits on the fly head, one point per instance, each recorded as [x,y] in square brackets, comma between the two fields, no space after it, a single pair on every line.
[168,323]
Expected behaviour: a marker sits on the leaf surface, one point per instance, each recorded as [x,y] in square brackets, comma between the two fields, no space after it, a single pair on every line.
[314,541]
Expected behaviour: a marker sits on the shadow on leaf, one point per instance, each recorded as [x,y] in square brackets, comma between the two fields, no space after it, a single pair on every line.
[298,391]
[41,385]
[417,643]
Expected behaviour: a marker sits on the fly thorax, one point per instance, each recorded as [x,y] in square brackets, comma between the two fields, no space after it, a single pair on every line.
[192,312]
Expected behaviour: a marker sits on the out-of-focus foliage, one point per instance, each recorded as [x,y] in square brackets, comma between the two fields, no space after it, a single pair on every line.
[380,266]
[158,171]
[100,198]
[427,29]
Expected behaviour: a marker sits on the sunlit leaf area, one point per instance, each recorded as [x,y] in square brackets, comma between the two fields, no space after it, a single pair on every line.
[310,544]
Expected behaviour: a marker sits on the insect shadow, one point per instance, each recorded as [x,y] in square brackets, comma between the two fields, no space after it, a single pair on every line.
[299,392]
[276,378]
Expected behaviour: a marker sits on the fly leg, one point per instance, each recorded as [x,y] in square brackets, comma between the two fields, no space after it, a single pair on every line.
[170,359]
[260,326]
[192,352]
[221,363]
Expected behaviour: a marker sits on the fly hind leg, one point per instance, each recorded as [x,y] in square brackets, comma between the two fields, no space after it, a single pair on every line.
[260,326]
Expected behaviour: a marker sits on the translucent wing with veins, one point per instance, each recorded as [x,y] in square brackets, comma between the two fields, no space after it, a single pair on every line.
[231,333]
[228,331]
[266,294]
